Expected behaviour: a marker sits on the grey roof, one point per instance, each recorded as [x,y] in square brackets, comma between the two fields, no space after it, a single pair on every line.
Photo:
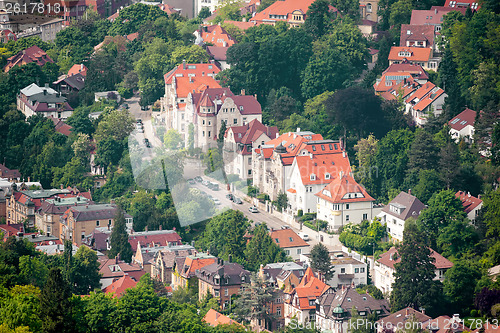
[412,206]
[94,212]
[282,270]
[39,194]
[34,89]
[229,273]
[76,81]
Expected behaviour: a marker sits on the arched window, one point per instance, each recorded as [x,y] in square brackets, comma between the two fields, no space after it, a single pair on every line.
[369,7]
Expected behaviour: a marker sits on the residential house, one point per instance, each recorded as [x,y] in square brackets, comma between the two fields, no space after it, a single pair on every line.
[394,214]
[145,255]
[6,35]
[397,320]
[221,279]
[22,205]
[113,269]
[239,142]
[154,238]
[185,8]
[214,318]
[47,215]
[493,272]
[218,54]
[164,261]
[272,162]
[417,36]
[396,74]
[291,11]
[107,95]
[472,205]
[283,275]
[212,5]
[43,101]
[9,174]
[369,10]
[78,222]
[78,69]
[215,35]
[384,268]
[334,310]
[29,55]
[61,127]
[415,55]
[184,272]
[290,242]
[118,288]
[8,230]
[425,100]
[6,191]
[70,86]
[39,240]
[344,201]
[472,4]
[442,324]
[316,164]
[433,16]
[301,304]
[462,126]
[56,249]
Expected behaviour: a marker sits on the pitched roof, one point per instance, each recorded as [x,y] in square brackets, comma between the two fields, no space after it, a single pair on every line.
[76,81]
[247,104]
[408,204]
[240,25]
[419,32]
[217,52]
[9,173]
[114,268]
[230,273]
[340,190]
[29,55]
[419,54]
[280,9]
[247,134]
[388,260]
[434,16]
[473,4]
[61,126]
[287,238]
[132,36]
[309,289]
[292,143]
[120,286]
[195,262]
[431,96]
[214,318]
[94,212]
[157,237]
[192,77]
[216,35]
[442,324]
[469,202]
[463,119]
[78,68]
[399,318]
[416,71]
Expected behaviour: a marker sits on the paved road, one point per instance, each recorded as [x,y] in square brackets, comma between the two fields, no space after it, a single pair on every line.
[145,116]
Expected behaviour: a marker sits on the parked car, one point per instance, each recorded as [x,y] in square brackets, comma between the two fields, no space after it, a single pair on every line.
[285,227]
[125,105]
[191,181]
[216,201]
[253,209]
[146,142]
[138,121]
[205,182]
[198,179]
[140,130]
[230,196]
[237,200]
[304,236]
[214,187]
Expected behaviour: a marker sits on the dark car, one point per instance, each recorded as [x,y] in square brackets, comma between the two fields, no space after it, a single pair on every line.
[237,201]
[146,142]
[198,179]
[214,186]
[230,196]
[125,105]
[138,120]
[191,181]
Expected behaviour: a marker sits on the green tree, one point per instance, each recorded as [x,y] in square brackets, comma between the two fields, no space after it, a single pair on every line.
[490,214]
[33,271]
[172,139]
[457,238]
[220,137]
[448,160]
[319,19]
[204,13]
[320,261]
[55,306]
[20,306]
[422,155]
[115,123]
[348,8]
[86,277]
[262,250]
[459,284]
[429,182]
[98,312]
[119,238]
[80,121]
[282,201]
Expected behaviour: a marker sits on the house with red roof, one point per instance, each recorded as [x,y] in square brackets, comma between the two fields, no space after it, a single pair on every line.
[29,55]
[118,288]
[290,242]
[427,99]
[316,164]
[184,272]
[414,55]
[384,268]
[218,54]
[344,201]
[45,101]
[301,302]
[395,74]
[472,4]
[396,321]
[61,127]
[433,16]
[78,69]
[9,174]
[215,35]
[112,270]
[214,318]
[6,35]
[239,141]
[462,126]
[273,161]
[417,36]
[472,205]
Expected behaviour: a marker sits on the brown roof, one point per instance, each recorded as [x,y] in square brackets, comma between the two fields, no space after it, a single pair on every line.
[434,16]
[287,238]
[419,32]
[108,269]
[61,126]
[120,286]
[465,118]
[160,237]
[217,52]
[411,206]
[397,319]
[29,55]
[468,201]
[388,260]
[8,173]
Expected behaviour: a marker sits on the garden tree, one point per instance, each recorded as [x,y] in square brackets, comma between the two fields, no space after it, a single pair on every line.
[429,182]
[457,238]
[253,303]
[448,79]
[109,151]
[213,161]
[132,18]
[422,154]
[490,214]
[482,126]
[443,208]
[172,139]
[98,310]
[53,156]
[72,174]
[280,105]
[262,250]
[51,71]
[33,271]
[55,305]
[20,306]
[320,261]
[348,8]
[358,110]
[185,295]
[400,13]
[142,208]
[360,324]
[371,290]
[365,154]
[414,274]
[448,160]
[486,84]
[85,268]
[319,18]
[228,10]
[204,13]
[486,298]
[82,147]
[281,201]
[264,4]
[10,253]
[190,139]
[181,318]
[376,230]
[220,137]
[495,145]
[223,235]
[119,239]
[235,32]
[459,284]
[80,121]
[193,54]
[115,123]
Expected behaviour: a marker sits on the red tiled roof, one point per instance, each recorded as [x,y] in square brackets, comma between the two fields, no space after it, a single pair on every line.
[282,8]
[216,35]
[419,32]
[309,288]
[162,239]
[440,261]
[398,319]
[473,4]
[217,52]
[198,81]
[433,16]
[29,55]
[250,132]
[240,25]
[287,238]
[416,71]
[247,104]
[292,142]
[428,99]
[106,265]
[120,286]
[340,187]
[9,173]
[61,126]
[192,263]
[324,167]
[469,202]
[168,9]
[421,92]
[463,119]
[416,53]
[78,68]
[132,36]
[214,318]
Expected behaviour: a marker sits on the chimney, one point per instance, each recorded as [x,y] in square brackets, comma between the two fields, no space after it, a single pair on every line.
[29,179]
[216,315]
[81,67]
[343,153]
[242,92]
[230,258]
[184,64]
[407,312]
[298,129]
[409,191]
[146,229]
[435,11]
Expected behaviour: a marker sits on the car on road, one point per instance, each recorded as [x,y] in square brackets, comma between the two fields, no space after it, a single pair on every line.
[216,201]
[253,209]
[125,106]
[205,182]
[146,142]
[191,181]
[140,129]
[304,236]
[214,186]
[285,227]
[230,196]
[138,121]
[237,200]
[198,179]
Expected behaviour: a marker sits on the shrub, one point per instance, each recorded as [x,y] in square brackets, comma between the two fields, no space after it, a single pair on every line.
[300,212]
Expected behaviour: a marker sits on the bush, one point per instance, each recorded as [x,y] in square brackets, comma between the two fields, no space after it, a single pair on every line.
[263,197]
[300,212]
[308,217]
[473,313]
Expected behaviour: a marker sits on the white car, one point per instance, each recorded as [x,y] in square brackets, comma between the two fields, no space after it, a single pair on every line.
[216,201]
[253,209]
[304,236]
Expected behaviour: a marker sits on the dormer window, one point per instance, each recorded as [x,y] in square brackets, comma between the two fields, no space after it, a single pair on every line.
[327,193]
[327,175]
[313,176]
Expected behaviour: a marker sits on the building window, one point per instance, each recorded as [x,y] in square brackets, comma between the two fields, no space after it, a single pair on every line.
[365,216]
[287,252]
[299,251]
[356,270]
[216,293]
[203,121]
[209,134]
[362,270]
[369,7]
[347,217]
[342,271]
[235,121]
[203,134]
[347,205]
[278,311]
[226,292]
[97,223]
